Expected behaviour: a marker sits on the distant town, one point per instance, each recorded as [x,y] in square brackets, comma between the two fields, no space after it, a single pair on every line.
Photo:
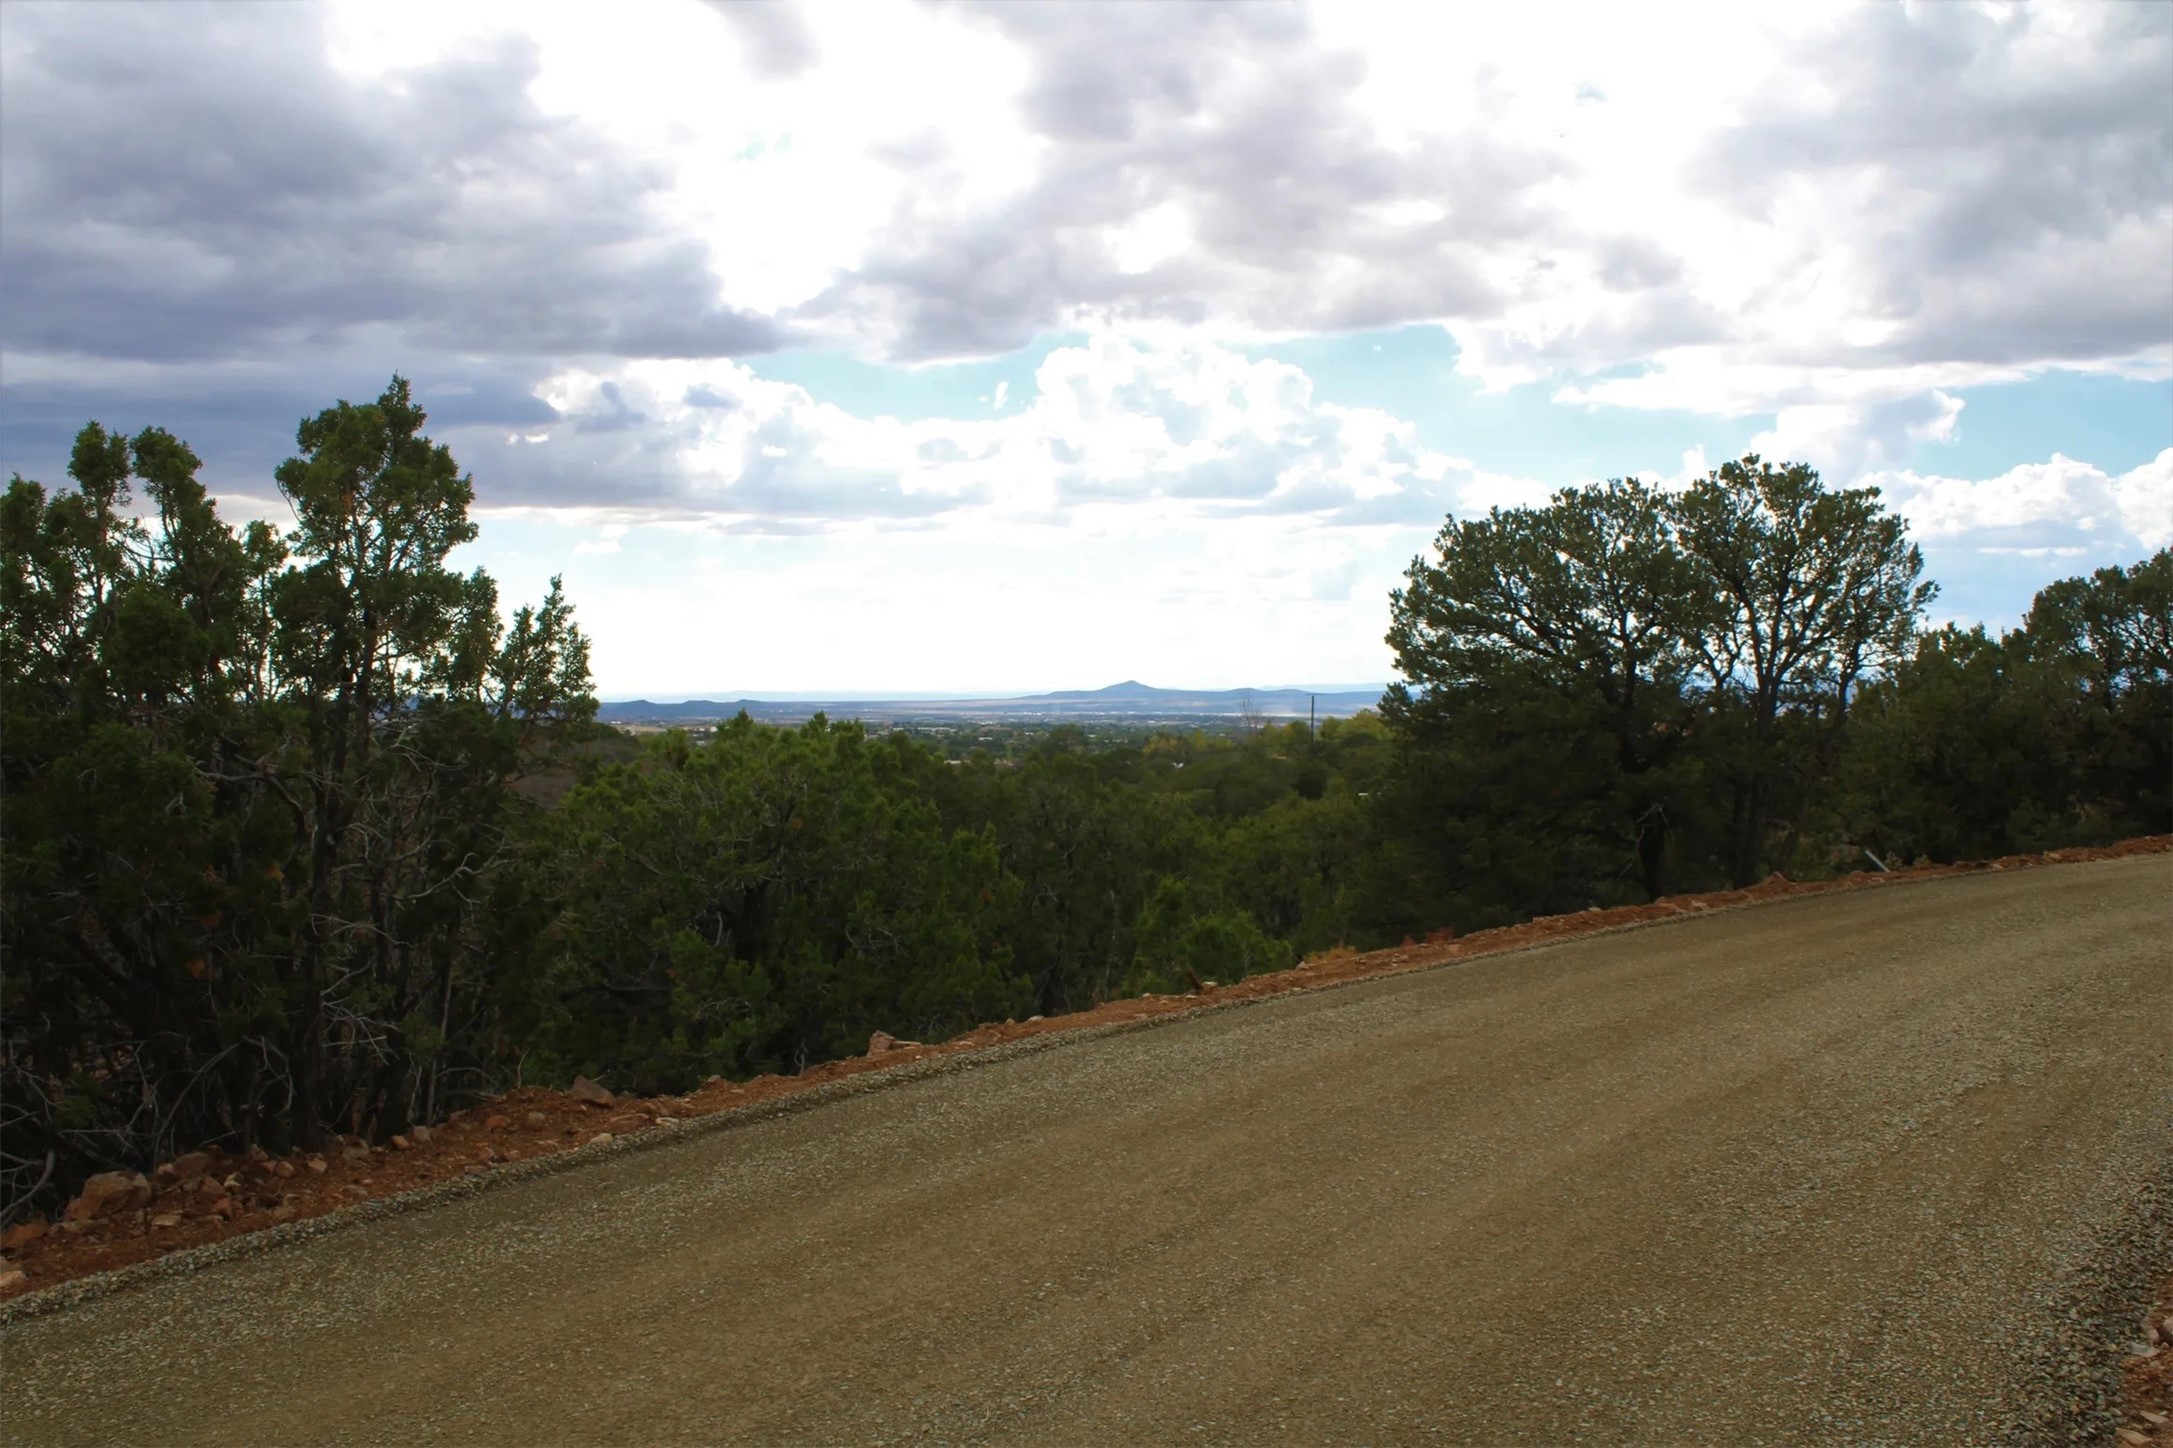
[1131,704]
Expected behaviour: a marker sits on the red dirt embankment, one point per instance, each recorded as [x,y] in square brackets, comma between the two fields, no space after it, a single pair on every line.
[2147,1381]
[209,1196]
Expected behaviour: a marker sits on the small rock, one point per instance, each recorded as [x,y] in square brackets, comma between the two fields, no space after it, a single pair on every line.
[224,1207]
[110,1191]
[599,1138]
[512,1154]
[191,1164]
[420,1135]
[2156,1420]
[476,1168]
[881,1042]
[1031,1019]
[282,1168]
[284,1212]
[401,1143]
[2129,1435]
[258,1154]
[355,1153]
[22,1234]
[232,1183]
[166,1220]
[355,1190]
[208,1186]
[583,1089]
[495,1123]
[11,1279]
[538,1120]
[318,1166]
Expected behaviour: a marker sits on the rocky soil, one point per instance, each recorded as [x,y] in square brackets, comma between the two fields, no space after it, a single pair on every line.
[2147,1378]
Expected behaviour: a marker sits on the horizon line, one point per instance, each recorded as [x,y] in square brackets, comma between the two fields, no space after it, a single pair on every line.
[918,696]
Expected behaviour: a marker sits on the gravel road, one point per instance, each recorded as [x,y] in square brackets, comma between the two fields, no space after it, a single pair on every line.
[1827,1170]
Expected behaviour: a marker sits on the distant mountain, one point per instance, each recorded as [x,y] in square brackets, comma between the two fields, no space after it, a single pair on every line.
[1130,689]
[1130,700]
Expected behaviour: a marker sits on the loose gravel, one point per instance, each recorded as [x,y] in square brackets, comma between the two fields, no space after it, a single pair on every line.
[1881,1168]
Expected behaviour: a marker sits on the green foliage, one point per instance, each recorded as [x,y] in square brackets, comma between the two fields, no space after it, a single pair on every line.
[255,788]
[303,836]
[1547,657]
[1811,589]
[1626,691]
[2110,639]
[1187,943]
[2055,734]
[770,898]
[760,903]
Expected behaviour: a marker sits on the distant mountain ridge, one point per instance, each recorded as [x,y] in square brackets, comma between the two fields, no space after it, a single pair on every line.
[1127,700]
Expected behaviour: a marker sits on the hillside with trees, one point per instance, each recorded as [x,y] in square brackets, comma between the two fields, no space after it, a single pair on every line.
[277,863]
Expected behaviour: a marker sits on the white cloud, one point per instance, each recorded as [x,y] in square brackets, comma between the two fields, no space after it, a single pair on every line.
[1755,208]
[1839,215]
[1833,206]
[1155,425]
[2144,497]
[1844,440]
[787,176]
[2057,508]
[606,541]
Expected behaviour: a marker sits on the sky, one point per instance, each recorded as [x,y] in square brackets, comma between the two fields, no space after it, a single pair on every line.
[885,347]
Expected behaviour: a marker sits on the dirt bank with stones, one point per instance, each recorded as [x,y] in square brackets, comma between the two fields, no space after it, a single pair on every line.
[1877,1166]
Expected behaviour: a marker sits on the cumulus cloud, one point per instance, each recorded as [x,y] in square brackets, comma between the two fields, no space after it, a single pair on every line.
[1992,179]
[2060,508]
[1786,206]
[1806,210]
[200,183]
[1165,425]
[1845,440]
[776,36]
[1202,164]
[1922,197]
[564,222]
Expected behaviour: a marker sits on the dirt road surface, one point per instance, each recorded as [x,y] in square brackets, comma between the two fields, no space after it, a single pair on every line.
[1824,1170]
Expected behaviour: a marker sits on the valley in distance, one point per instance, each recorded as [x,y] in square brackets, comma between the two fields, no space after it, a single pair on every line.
[1131,704]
